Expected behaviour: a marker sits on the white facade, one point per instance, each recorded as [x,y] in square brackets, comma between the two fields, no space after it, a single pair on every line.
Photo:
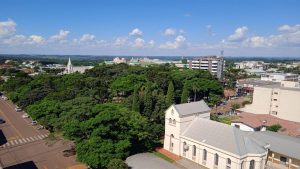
[250,65]
[280,100]
[202,152]
[279,77]
[69,67]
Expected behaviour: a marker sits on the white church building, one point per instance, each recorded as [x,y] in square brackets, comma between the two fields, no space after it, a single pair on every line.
[189,133]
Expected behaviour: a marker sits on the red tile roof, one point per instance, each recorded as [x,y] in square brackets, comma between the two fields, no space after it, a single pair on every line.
[257,120]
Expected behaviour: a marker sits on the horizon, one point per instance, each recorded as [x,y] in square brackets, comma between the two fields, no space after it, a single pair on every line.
[132,28]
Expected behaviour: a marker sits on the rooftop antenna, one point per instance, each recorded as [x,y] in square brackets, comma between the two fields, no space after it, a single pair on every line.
[222,53]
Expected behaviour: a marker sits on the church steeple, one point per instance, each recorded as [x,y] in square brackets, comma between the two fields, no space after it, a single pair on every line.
[69,66]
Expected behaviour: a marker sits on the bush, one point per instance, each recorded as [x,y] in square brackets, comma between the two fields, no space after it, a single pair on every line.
[274,127]
[117,164]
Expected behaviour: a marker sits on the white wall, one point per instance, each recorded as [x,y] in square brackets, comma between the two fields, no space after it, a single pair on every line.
[242,126]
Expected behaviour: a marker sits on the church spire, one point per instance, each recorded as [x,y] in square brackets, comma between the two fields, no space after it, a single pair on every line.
[69,66]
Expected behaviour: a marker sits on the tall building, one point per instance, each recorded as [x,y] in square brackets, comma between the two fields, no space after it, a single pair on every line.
[214,64]
[69,67]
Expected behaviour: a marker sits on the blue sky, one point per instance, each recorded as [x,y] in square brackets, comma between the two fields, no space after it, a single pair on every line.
[152,27]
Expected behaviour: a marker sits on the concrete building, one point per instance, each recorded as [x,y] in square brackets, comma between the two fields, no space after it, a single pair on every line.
[214,64]
[251,65]
[190,134]
[278,77]
[277,99]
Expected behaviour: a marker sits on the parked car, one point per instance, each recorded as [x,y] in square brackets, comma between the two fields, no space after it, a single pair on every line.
[4,97]
[2,121]
[34,123]
[18,109]
[25,115]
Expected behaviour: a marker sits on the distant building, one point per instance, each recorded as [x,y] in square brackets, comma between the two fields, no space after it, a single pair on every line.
[277,99]
[118,60]
[72,69]
[278,77]
[190,134]
[256,72]
[251,65]
[69,68]
[214,64]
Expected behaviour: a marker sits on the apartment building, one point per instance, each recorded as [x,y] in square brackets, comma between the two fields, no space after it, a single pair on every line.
[277,99]
[214,64]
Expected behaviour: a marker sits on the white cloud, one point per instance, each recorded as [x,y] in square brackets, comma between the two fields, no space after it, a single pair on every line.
[87,38]
[136,32]
[7,28]
[187,15]
[61,36]
[151,43]
[179,42]
[210,30]
[138,43]
[35,39]
[169,32]
[258,41]
[238,35]
[121,41]
[289,29]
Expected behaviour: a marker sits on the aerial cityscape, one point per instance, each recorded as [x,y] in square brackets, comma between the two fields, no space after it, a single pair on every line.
[183,84]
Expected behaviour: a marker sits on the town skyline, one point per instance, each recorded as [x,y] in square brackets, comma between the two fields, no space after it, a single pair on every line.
[119,28]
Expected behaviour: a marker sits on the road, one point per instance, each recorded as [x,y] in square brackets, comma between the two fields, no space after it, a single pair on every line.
[25,146]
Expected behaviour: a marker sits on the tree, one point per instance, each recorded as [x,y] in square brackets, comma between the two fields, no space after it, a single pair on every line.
[170,94]
[185,93]
[147,101]
[117,164]
[135,100]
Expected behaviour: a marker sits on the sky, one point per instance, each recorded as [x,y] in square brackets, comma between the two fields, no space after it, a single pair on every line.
[151,27]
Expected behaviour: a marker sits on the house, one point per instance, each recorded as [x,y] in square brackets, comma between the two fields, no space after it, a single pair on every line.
[278,77]
[189,133]
[259,122]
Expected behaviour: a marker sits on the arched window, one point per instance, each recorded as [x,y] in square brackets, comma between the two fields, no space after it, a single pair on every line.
[252,164]
[170,120]
[194,150]
[216,159]
[171,142]
[242,165]
[204,154]
[228,163]
[174,121]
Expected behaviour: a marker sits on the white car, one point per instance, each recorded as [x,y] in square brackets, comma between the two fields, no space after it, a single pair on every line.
[4,97]
[25,115]
[18,109]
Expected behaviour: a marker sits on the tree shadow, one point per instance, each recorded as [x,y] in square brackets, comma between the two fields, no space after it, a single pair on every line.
[25,165]
[2,138]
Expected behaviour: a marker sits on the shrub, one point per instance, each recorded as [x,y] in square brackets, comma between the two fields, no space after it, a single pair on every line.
[274,127]
[117,164]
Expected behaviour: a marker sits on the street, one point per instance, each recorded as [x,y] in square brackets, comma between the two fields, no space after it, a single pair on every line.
[25,146]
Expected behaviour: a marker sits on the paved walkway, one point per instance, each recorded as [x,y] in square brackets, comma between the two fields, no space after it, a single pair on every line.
[149,161]
[185,163]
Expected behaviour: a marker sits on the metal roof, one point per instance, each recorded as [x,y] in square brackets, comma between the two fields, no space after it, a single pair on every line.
[192,108]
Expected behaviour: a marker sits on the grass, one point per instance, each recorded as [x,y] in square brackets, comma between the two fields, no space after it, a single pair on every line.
[158,154]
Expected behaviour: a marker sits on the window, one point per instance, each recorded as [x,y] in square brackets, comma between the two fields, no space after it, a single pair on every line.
[216,159]
[252,164]
[228,163]
[274,112]
[204,154]
[283,160]
[274,99]
[174,121]
[275,92]
[170,120]
[194,150]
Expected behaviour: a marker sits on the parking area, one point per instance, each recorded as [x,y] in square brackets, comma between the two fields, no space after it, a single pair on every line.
[25,144]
